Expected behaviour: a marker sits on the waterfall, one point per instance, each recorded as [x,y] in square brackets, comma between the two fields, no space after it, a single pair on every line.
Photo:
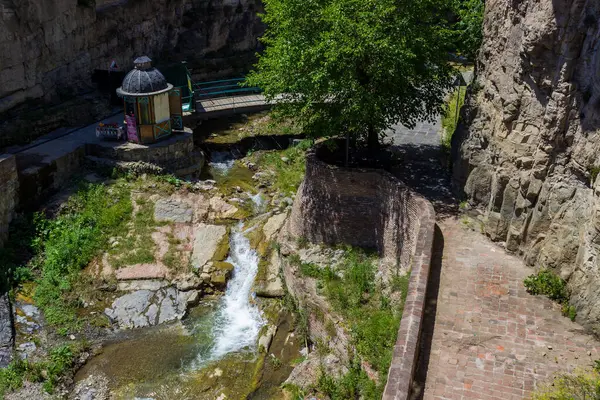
[221,161]
[237,320]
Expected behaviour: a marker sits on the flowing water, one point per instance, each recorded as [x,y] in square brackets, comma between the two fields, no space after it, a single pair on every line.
[221,162]
[237,320]
[163,359]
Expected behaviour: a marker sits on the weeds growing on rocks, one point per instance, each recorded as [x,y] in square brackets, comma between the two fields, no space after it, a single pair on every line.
[69,242]
[374,322]
[49,372]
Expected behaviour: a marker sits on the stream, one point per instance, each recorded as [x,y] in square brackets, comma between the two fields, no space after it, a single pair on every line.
[237,320]
[213,351]
[158,362]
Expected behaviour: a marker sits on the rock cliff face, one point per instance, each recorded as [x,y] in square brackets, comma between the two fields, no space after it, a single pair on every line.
[50,48]
[529,151]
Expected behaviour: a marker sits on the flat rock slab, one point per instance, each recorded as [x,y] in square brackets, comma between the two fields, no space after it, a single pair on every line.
[220,209]
[6,330]
[273,225]
[142,271]
[172,210]
[206,240]
[142,284]
[271,285]
[144,308]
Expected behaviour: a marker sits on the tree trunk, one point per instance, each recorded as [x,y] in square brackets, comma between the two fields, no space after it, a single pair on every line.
[373,139]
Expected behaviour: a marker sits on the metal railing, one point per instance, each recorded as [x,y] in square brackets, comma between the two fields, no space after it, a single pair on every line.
[222,88]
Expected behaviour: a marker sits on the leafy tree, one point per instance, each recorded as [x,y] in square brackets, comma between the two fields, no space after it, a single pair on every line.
[467,29]
[354,67]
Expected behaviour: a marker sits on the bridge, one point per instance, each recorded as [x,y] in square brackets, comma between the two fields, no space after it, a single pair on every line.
[215,99]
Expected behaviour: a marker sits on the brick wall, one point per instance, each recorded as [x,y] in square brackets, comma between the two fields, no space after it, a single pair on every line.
[361,207]
[372,208]
[9,188]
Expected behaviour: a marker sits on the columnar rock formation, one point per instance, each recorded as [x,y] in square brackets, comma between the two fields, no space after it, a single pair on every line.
[50,48]
[530,153]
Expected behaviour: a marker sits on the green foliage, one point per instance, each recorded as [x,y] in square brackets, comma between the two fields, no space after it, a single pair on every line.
[354,66]
[467,31]
[137,247]
[554,287]
[569,311]
[68,243]
[547,283]
[49,371]
[594,171]
[355,296]
[581,385]
[288,166]
[449,120]
[354,385]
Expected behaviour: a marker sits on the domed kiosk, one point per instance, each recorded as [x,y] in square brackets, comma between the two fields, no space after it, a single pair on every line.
[152,105]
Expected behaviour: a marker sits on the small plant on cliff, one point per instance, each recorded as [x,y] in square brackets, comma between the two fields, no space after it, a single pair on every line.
[355,67]
[554,287]
[549,284]
[594,171]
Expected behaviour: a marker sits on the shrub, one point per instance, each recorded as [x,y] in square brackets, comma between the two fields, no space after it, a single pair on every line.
[548,284]
[581,385]
[554,287]
[357,298]
[449,121]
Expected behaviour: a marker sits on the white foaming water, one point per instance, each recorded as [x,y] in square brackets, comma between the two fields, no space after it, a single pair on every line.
[237,320]
[221,161]
[258,201]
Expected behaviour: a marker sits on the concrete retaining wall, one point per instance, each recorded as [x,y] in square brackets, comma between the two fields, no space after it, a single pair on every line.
[372,208]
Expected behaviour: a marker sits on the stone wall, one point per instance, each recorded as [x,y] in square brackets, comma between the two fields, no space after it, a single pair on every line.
[49,49]
[368,208]
[529,153]
[9,189]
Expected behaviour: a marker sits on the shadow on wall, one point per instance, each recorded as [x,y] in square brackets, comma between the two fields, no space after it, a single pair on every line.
[363,207]
[429,313]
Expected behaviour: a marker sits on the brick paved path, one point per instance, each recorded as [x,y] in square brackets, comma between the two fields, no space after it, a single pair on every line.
[484,336]
[489,338]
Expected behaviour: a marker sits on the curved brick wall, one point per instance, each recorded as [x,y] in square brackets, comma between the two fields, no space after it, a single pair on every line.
[372,208]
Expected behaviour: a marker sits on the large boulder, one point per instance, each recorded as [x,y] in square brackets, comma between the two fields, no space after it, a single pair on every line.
[144,308]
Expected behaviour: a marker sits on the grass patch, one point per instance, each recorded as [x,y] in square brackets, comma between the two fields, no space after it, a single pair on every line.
[354,385]
[137,246]
[552,286]
[54,251]
[254,125]
[368,312]
[68,243]
[49,371]
[449,120]
[287,166]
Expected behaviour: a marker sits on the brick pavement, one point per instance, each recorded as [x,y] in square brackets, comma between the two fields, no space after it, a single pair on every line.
[489,338]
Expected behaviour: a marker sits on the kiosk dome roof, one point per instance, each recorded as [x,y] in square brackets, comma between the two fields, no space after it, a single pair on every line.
[144,78]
